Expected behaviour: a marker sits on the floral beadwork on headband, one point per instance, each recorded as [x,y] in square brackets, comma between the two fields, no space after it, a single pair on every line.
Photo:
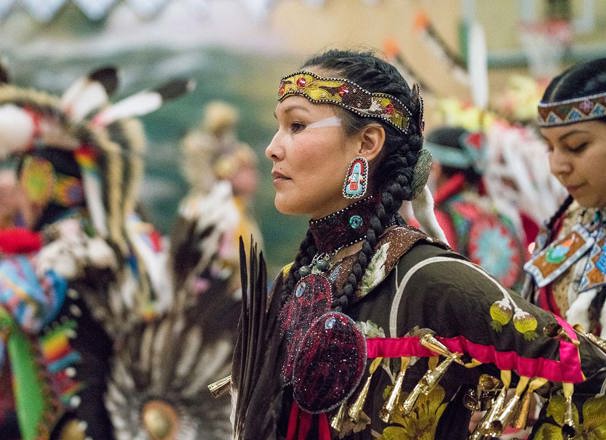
[571,111]
[346,94]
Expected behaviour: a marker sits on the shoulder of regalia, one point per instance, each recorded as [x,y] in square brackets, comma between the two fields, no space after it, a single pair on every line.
[394,244]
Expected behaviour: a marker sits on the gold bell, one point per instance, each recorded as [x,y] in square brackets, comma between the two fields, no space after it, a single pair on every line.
[387,411]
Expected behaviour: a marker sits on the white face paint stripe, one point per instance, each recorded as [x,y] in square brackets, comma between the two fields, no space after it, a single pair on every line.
[332,121]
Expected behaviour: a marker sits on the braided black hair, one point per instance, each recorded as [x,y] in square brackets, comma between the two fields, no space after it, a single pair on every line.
[392,177]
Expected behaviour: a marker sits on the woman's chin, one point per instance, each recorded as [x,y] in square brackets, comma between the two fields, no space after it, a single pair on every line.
[283,206]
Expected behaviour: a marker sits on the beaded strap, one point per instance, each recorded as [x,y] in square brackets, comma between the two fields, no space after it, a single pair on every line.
[571,111]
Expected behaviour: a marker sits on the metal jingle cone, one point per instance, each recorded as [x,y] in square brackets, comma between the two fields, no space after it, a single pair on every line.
[427,383]
[220,387]
[336,422]
[504,418]
[430,342]
[356,408]
[483,427]
[386,412]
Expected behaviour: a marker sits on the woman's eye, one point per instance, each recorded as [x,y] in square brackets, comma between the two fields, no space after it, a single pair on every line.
[578,148]
[296,127]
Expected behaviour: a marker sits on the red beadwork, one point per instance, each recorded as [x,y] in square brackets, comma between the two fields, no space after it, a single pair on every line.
[586,106]
[282,89]
[301,82]
[389,109]
[343,90]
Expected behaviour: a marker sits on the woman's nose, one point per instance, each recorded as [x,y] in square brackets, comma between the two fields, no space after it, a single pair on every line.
[560,164]
[274,150]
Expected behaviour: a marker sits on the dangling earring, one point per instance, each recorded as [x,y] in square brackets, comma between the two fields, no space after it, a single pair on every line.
[356,179]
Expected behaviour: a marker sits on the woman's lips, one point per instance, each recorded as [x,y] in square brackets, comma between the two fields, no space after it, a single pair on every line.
[574,188]
[278,177]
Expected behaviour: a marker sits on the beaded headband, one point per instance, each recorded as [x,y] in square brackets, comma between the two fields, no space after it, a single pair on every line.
[571,111]
[348,95]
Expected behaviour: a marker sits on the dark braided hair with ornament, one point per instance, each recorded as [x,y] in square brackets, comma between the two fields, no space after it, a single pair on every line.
[391,175]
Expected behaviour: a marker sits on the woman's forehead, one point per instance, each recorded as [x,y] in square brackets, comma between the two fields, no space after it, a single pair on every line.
[301,104]
[563,132]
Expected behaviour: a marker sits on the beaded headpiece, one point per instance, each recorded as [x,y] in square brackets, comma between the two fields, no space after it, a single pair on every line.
[571,111]
[348,95]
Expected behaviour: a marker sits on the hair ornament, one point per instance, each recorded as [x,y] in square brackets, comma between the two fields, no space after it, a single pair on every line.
[348,95]
[571,111]
[416,93]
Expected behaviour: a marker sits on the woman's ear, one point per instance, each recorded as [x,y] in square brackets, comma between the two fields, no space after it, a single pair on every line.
[372,140]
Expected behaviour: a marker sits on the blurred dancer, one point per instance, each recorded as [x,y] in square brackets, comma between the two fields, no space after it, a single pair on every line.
[74,298]
[468,217]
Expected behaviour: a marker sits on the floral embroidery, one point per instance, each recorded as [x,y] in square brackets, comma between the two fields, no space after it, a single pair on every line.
[375,273]
[593,426]
[370,329]
[421,422]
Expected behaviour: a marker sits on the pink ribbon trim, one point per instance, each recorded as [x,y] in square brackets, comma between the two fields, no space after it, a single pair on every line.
[567,369]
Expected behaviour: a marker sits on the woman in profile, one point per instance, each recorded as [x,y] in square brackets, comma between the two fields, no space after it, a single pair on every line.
[376,330]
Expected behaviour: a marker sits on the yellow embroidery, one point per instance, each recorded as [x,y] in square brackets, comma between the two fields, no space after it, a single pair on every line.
[592,426]
[421,422]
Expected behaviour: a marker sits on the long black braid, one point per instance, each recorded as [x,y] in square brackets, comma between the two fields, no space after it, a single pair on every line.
[392,177]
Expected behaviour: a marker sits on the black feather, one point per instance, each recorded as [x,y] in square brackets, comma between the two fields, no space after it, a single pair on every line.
[106,76]
[4,76]
[175,88]
[256,366]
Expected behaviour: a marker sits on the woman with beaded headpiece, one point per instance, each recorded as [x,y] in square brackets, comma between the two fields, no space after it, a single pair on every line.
[376,330]
[567,274]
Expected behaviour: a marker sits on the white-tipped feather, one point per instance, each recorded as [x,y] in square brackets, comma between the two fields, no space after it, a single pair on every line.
[16,130]
[89,93]
[139,104]
[422,206]
[91,98]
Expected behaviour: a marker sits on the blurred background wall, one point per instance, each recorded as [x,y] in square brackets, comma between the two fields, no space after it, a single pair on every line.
[237,50]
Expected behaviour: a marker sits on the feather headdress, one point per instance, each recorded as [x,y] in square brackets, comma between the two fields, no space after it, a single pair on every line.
[107,142]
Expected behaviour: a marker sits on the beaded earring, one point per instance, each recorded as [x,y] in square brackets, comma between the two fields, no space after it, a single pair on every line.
[356,179]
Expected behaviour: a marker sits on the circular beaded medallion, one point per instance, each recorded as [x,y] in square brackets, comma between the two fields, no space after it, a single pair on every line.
[329,364]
